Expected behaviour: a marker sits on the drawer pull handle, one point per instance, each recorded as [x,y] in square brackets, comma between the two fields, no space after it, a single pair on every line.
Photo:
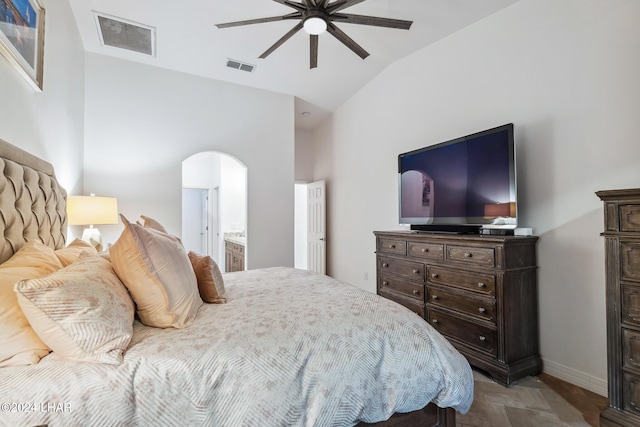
[482,310]
[483,338]
[434,321]
[385,265]
[392,246]
[416,271]
[435,297]
[425,250]
[416,292]
[434,275]
[385,283]
[482,285]
[468,254]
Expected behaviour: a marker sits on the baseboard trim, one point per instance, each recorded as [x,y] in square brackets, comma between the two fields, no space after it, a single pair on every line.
[575,377]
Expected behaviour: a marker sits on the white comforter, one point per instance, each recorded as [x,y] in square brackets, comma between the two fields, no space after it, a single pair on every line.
[290,348]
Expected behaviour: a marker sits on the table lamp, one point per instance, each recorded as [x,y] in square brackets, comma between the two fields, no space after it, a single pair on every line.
[92,210]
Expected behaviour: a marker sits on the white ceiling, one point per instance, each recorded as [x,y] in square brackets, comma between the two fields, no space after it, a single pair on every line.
[188,41]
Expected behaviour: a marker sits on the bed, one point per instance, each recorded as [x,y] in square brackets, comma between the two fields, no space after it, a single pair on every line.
[286,348]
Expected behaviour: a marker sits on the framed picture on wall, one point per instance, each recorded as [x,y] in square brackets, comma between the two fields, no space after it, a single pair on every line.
[22,37]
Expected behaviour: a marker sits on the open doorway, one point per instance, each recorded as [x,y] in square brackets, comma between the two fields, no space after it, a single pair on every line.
[214,208]
[310,226]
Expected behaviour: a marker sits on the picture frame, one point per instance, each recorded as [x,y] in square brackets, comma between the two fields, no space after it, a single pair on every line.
[22,38]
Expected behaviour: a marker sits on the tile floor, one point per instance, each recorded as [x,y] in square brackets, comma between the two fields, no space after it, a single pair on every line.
[530,402]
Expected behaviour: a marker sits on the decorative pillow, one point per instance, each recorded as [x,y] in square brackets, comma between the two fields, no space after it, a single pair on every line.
[19,344]
[154,266]
[210,282]
[152,223]
[73,250]
[82,312]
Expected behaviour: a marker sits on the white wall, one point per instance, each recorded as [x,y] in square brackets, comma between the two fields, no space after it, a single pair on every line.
[49,124]
[567,75]
[304,155]
[142,122]
[233,195]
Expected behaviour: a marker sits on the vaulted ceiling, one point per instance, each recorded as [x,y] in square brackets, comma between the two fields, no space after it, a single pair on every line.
[188,41]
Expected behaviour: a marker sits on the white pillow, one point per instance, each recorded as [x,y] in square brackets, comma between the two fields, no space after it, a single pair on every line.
[154,266]
[82,312]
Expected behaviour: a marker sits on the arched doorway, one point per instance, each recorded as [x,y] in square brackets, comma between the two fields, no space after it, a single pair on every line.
[214,208]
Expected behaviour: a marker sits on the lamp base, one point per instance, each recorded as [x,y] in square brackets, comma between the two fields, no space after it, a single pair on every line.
[92,236]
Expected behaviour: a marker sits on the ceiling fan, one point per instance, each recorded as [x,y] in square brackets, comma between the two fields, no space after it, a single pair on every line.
[318,16]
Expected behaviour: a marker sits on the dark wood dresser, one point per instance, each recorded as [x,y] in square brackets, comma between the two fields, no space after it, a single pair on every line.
[622,265]
[478,291]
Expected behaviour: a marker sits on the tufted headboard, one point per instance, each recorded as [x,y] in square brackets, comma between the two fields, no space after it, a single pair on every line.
[32,202]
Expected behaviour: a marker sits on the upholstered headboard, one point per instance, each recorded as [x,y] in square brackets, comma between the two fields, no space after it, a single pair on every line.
[32,202]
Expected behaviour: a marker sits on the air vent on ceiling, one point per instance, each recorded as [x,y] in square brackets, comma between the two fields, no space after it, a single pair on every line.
[238,65]
[123,34]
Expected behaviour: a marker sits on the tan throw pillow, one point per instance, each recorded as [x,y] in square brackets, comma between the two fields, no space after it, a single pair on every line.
[154,266]
[19,344]
[210,282]
[71,253]
[82,312]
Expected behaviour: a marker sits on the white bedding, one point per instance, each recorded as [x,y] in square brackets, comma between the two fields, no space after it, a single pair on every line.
[290,348]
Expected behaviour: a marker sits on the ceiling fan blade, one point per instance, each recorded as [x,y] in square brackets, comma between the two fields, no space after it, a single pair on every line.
[371,20]
[283,39]
[314,51]
[297,6]
[342,4]
[322,3]
[294,15]
[346,40]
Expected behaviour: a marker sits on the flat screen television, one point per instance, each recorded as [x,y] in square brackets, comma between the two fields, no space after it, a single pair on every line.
[466,185]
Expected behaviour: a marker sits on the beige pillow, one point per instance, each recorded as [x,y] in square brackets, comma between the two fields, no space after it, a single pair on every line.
[70,253]
[152,223]
[82,312]
[156,269]
[210,282]
[19,344]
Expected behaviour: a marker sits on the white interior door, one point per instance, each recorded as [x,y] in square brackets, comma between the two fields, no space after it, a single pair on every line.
[195,214]
[316,227]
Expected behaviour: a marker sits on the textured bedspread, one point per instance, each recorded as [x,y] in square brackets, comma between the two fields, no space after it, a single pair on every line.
[290,348]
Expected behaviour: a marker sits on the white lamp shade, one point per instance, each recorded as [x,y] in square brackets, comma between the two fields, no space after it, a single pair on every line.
[92,210]
[315,25]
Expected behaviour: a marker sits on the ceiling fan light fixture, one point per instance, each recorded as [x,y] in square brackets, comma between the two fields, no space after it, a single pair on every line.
[315,25]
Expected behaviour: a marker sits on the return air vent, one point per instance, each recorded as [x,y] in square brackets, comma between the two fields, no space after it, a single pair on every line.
[238,65]
[123,34]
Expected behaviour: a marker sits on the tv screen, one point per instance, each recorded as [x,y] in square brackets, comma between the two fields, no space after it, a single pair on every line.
[468,182]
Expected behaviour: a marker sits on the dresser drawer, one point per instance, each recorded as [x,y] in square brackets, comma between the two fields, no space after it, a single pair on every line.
[473,334]
[631,393]
[631,349]
[630,260]
[430,251]
[629,217]
[411,304]
[483,308]
[392,246]
[472,255]
[631,305]
[412,290]
[484,284]
[409,269]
